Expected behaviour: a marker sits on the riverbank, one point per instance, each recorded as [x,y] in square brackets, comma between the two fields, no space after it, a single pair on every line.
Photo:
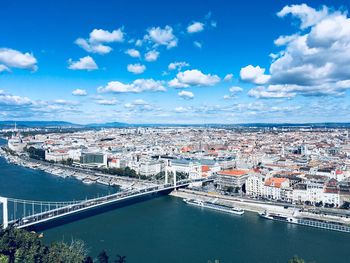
[258,207]
[84,175]
[229,201]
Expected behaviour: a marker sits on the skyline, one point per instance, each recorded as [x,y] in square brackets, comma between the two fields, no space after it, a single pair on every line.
[172,64]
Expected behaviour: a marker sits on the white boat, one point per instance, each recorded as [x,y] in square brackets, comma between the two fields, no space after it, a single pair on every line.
[88,181]
[214,206]
[298,219]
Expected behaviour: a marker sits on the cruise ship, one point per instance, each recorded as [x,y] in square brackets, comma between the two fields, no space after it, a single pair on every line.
[325,222]
[214,206]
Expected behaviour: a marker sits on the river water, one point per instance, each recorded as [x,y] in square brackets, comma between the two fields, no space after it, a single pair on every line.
[167,230]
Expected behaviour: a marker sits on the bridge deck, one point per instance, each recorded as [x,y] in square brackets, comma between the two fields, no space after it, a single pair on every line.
[96,203]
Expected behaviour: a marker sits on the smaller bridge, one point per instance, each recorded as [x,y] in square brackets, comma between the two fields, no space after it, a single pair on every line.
[38,213]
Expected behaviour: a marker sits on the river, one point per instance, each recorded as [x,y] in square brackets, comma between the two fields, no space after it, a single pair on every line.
[167,230]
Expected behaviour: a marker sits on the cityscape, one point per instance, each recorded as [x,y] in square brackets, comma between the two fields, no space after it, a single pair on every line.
[144,132]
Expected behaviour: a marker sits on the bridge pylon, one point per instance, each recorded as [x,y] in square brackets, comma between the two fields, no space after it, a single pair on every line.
[166,172]
[5,220]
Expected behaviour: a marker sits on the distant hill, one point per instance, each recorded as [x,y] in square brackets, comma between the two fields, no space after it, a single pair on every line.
[37,124]
[107,125]
[64,124]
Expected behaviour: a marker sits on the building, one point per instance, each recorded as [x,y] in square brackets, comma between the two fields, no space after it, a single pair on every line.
[255,185]
[273,188]
[114,163]
[93,159]
[56,156]
[227,180]
[149,168]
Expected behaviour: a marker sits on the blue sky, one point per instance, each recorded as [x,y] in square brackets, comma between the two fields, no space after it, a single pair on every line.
[179,62]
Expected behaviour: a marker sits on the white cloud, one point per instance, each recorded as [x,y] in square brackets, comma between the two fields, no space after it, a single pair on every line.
[177,65]
[139,105]
[235,89]
[93,48]
[138,43]
[186,94]
[233,92]
[13,100]
[79,92]
[307,15]
[161,36]
[151,55]
[182,109]
[4,68]
[271,92]
[107,102]
[254,74]
[195,27]
[95,43]
[140,102]
[11,58]
[283,40]
[133,53]
[136,68]
[175,83]
[193,77]
[104,36]
[137,86]
[313,61]
[197,44]
[85,63]
[228,77]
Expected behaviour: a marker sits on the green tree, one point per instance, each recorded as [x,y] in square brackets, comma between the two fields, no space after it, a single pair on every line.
[88,260]
[103,257]
[120,259]
[296,259]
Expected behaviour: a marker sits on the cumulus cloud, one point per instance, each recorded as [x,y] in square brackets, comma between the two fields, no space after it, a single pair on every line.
[254,74]
[152,55]
[95,43]
[177,65]
[186,94]
[235,89]
[137,86]
[100,36]
[79,92]
[307,15]
[195,27]
[233,92]
[85,63]
[313,61]
[136,68]
[193,77]
[133,53]
[228,77]
[10,58]
[160,36]
[93,48]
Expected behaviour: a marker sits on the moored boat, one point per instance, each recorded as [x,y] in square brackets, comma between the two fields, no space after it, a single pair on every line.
[215,206]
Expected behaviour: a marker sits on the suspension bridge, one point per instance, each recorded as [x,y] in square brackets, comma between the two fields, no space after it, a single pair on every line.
[34,215]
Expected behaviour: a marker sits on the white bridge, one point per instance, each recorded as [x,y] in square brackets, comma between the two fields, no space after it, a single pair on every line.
[29,213]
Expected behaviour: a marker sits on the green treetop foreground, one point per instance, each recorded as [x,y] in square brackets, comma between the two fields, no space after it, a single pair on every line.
[18,246]
[21,246]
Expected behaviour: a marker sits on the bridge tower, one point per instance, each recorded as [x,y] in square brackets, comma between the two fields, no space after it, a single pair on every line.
[174,174]
[5,219]
[166,172]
